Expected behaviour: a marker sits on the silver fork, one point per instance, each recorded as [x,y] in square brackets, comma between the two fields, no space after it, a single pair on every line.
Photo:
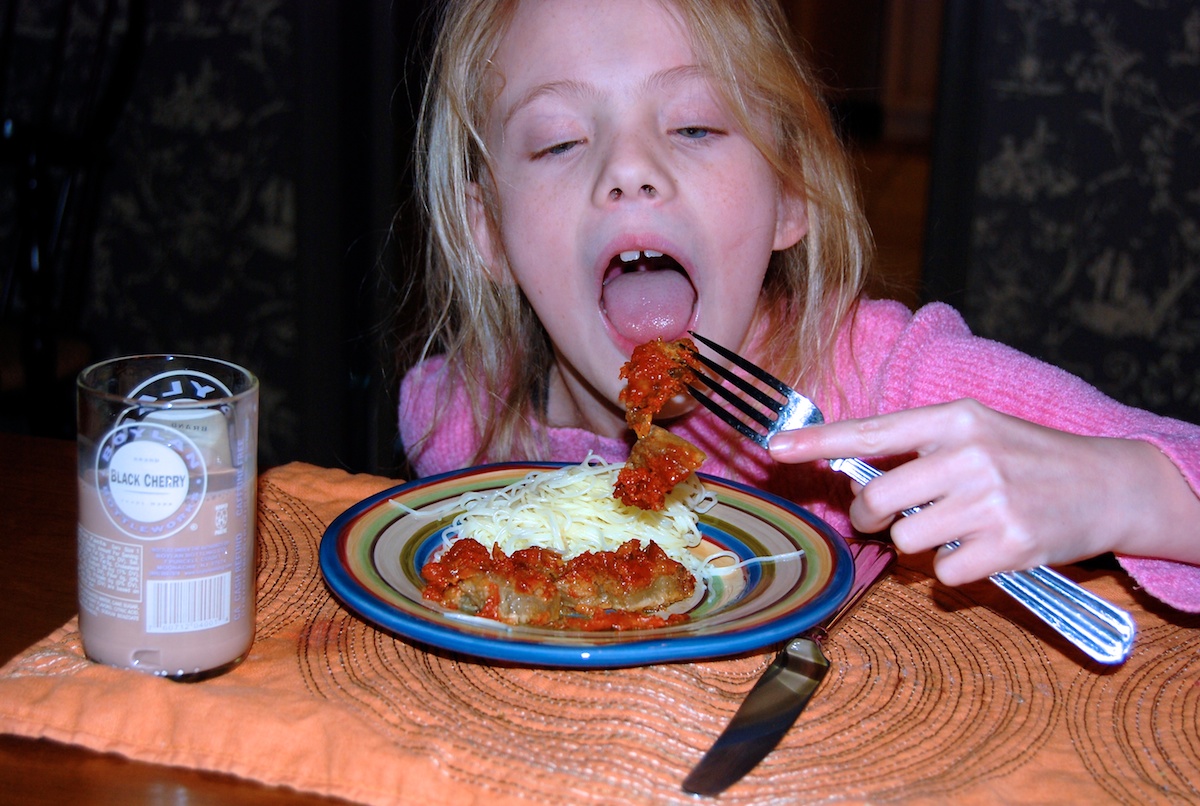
[1103,631]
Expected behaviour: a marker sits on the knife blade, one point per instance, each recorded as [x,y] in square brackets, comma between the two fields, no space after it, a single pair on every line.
[785,688]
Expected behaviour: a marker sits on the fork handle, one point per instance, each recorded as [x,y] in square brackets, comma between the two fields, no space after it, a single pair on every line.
[1099,628]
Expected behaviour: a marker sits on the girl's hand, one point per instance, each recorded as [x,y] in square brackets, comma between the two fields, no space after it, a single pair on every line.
[1014,494]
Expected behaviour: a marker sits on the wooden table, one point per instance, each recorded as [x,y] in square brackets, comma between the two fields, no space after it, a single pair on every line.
[37,580]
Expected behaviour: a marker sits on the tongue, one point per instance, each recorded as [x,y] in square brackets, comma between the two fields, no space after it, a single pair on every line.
[645,305]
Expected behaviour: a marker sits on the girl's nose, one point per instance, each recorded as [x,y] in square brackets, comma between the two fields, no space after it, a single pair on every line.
[633,170]
[649,191]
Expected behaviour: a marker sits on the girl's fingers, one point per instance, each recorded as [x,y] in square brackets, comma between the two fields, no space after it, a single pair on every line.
[911,431]
[981,473]
[1013,493]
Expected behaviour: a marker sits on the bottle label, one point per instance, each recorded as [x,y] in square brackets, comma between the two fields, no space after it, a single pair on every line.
[151,479]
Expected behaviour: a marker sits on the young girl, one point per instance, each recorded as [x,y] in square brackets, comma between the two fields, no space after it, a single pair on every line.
[597,175]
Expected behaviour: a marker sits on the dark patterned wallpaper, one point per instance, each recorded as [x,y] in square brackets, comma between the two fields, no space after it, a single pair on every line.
[197,246]
[253,177]
[1065,214]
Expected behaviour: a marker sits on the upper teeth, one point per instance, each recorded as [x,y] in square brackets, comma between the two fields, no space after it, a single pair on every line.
[632,255]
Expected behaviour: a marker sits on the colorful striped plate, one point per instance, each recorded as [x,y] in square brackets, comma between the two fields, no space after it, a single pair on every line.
[372,555]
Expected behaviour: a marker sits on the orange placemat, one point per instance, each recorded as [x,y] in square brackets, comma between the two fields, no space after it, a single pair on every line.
[934,696]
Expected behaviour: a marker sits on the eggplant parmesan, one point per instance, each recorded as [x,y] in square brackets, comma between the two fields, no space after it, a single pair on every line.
[656,372]
[616,590]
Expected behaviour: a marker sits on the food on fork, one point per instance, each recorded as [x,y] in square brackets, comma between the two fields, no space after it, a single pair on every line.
[555,549]
[658,462]
[656,372]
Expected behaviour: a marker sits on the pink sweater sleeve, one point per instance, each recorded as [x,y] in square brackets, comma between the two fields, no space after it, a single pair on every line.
[906,360]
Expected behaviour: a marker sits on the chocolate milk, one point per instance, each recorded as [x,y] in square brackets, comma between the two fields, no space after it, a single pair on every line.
[166,547]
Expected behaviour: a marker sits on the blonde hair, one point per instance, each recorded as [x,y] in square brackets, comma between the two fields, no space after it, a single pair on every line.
[493,341]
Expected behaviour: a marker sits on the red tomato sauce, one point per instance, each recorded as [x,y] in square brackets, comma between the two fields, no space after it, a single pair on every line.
[611,590]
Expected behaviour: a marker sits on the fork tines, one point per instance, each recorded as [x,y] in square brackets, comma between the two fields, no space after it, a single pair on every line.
[768,419]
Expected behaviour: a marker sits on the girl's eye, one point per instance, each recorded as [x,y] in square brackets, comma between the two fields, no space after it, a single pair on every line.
[694,132]
[557,148]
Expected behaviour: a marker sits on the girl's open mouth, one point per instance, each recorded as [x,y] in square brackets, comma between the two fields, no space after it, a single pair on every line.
[647,295]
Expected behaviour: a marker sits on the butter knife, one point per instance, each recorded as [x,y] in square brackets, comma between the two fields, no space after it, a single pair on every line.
[779,696]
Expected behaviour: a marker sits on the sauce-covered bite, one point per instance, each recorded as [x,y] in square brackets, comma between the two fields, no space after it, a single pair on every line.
[656,372]
[658,462]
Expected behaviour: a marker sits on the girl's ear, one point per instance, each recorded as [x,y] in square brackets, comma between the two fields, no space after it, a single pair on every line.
[791,220]
[486,238]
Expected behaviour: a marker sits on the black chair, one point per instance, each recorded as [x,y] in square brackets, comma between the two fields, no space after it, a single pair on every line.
[66,71]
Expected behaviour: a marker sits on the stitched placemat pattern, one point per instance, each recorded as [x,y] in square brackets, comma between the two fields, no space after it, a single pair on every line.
[1155,711]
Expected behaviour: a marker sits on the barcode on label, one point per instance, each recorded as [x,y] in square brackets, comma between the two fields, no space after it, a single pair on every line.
[186,605]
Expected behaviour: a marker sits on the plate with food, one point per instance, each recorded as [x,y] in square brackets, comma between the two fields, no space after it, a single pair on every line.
[538,564]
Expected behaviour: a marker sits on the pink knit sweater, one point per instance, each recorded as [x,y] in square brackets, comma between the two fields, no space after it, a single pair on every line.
[890,359]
